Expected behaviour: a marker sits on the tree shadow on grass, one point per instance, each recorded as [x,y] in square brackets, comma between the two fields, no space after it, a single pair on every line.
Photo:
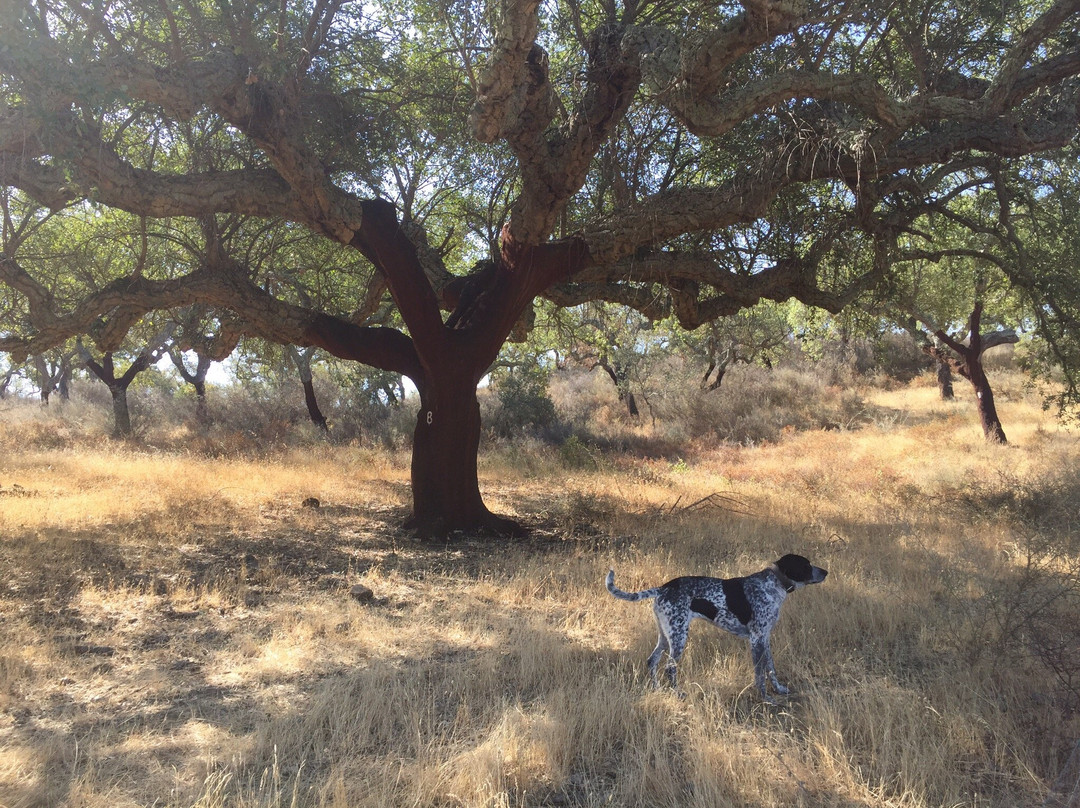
[505,698]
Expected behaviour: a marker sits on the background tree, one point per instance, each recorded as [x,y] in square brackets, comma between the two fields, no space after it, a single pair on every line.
[210,339]
[7,375]
[956,261]
[53,370]
[105,370]
[761,334]
[688,159]
[964,354]
[1042,198]
[617,340]
[301,360]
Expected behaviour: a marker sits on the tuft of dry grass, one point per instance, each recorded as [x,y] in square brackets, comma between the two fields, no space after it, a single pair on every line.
[176,629]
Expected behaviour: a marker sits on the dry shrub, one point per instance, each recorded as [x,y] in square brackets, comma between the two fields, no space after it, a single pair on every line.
[752,405]
[243,420]
[897,357]
[755,405]
[1020,607]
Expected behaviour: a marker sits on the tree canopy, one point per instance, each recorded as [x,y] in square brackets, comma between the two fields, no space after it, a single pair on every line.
[397,183]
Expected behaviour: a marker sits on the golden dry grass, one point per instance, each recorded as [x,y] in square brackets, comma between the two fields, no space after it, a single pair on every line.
[177,630]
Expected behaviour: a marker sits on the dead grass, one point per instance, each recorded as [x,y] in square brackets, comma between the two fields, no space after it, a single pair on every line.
[177,630]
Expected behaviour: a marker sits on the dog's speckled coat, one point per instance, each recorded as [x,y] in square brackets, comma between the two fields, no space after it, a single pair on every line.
[747,607]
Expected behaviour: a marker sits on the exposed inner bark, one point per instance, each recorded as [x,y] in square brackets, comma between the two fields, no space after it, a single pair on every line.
[445,483]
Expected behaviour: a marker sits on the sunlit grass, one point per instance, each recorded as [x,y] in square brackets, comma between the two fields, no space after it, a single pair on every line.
[177,629]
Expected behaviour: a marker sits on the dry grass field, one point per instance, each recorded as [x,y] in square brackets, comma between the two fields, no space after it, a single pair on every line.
[176,630]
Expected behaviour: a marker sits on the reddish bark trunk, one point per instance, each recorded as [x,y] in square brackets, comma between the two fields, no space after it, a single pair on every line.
[445,482]
[984,395]
[971,368]
[447,358]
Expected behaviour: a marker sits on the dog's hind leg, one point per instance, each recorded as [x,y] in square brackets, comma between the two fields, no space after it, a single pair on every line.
[654,658]
[678,645]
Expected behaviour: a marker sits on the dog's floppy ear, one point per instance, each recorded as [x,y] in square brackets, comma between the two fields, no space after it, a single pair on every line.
[796,568]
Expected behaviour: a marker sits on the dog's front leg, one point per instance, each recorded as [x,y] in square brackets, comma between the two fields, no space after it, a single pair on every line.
[758,646]
[764,666]
[761,655]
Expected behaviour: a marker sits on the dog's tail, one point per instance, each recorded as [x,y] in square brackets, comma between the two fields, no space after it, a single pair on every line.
[642,595]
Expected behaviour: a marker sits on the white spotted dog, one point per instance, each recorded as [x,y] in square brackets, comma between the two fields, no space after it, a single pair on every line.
[747,607]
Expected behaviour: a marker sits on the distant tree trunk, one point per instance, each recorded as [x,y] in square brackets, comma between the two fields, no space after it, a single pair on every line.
[314,413]
[394,395]
[5,381]
[118,385]
[54,375]
[621,380]
[196,379]
[944,379]
[731,356]
[202,411]
[991,424]
[302,361]
[121,411]
[63,384]
[709,386]
[46,381]
[970,366]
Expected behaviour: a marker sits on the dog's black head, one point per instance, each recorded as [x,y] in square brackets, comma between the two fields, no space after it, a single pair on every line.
[800,571]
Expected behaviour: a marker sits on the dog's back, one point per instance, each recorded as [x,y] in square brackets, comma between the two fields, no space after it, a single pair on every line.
[747,607]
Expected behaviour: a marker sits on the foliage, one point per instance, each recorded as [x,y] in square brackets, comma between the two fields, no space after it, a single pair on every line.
[524,403]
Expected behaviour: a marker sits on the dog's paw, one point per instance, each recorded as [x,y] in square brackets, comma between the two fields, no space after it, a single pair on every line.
[779,688]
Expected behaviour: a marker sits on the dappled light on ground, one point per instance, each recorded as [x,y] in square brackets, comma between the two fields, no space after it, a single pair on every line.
[179,630]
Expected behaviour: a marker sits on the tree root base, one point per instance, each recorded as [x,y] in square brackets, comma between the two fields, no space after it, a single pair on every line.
[487,525]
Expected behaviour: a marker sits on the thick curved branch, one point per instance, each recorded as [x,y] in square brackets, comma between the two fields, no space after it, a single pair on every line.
[384,242]
[675,212]
[717,115]
[1000,94]
[298,188]
[224,286]
[272,117]
[93,167]
[264,111]
[761,21]
[516,103]
[697,289]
